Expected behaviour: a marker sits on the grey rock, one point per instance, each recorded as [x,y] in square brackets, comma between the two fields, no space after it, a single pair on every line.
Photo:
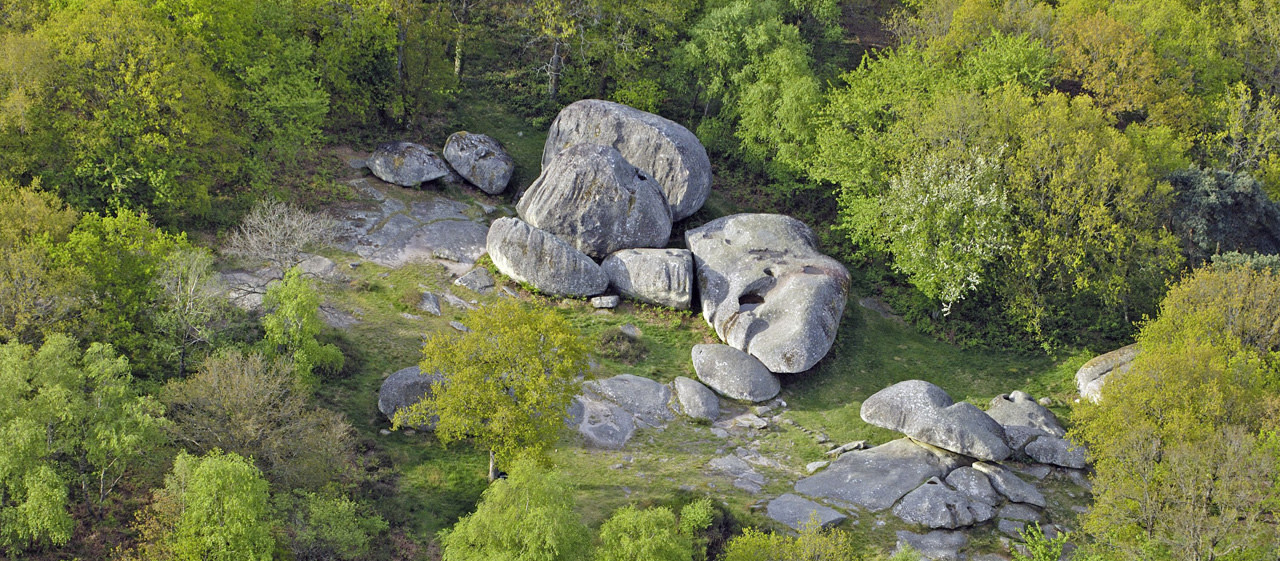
[456,302]
[847,447]
[935,505]
[875,478]
[605,302]
[630,330]
[938,545]
[1016,511]
[766,290]
[730,465]
[696,400]
[1056,451]
[1093,375]
[551,265]
[403,388]
[480,160]
[1020,409]
[733,373]
[752,485]
[644,398]
[797,512]
[478,280]
[812,467]
[975,484]
[320,267]
[1034,471]
[925,412]
[406,164]
[604,424]
[750,421]
[1017,436]
[458,326]
[1010,485]
[662,277]
[589,196]
[402,240]
[662,148]
[430,303]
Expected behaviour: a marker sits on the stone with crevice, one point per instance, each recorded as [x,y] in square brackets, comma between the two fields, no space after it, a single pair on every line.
[925,412]
[874,479]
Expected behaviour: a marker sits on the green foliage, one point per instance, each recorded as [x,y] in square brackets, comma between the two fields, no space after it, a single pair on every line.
[1183,443]
[249,405]
[193,308]
[529,516]
[507,382]
[70,421]
[813,544]
[292,325]
[1039,547]
[328,525]
[1003,59]
[622,347]
[1218,212]
[37,294]
[651,533]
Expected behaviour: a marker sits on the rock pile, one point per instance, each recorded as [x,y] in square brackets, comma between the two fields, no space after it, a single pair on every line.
[476,158]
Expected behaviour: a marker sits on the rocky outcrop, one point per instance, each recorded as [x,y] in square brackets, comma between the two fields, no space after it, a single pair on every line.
[609,411]
[480,160]
[798,512]
[733,373]
[696,400]
[974,484]
[1056,451]
[1010,485]
[766,290]
[875,478]
[938,545]
[662,277]
[1093,375]
[925,412]
[1019,409]
[589,196]
[406,164]
[936,505]
[546,262]
[661,148]
[403,388]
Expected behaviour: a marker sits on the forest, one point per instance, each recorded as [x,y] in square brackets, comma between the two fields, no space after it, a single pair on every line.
[1025,183]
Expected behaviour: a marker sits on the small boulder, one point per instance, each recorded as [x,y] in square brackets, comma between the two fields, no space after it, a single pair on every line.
[1056,451]
[875,478]
[975,484]
[925,412]
[797,512]
[403,388]
[589,196]
[1020,409]
[480,160]
[1010,485]
[478,280]
[662,277]
[733,373]
[644,398]
[696,400]
[406,164]
[1093,375]
[546,262]
[430,303]
[766,290]
[603,424]
[608,302]
[660,147]
[935,505]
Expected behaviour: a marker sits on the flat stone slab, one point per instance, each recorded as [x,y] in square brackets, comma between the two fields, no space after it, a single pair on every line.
[874,479]
[797,512]
[938,545]
[603,424]
[646,399]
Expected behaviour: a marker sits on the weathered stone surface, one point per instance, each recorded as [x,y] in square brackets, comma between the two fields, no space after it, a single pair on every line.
[1015,511]
[1056,451]
[406,164]
[875,478]
[935,505]
[938,545]
[662,148]
[733,373]
[766,290]
[1017,437]
[430,303]
[478,280]
[696,400]
[644,398]
[480,160]
[589,196]
[530,255]
[974,484]
[1093,375]
[925,412]
[797,512]
[603,424]
[605,302]
[403,388]
[662,277]
[1010,485]
[1020,409]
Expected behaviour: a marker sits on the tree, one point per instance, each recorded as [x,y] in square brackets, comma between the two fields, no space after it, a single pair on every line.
[68,419]
[292,325]
[249,405]
[327,525]
[813,544]
[279,234]
[213,507]
[654,533]
[193,306]
[1184,444]
[508,381]
[37,294]
[529,516]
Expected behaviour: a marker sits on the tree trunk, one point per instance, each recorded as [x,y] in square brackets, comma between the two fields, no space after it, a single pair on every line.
[457,54]
[493,467]
[553,72]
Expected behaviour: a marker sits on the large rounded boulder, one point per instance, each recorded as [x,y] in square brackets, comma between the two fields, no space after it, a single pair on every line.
[663,149]
[403,388]
[406,164]
[926,413]
[589,196]
[662,277]
[733,373]
[766,290]
[546,262]
[480,160]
